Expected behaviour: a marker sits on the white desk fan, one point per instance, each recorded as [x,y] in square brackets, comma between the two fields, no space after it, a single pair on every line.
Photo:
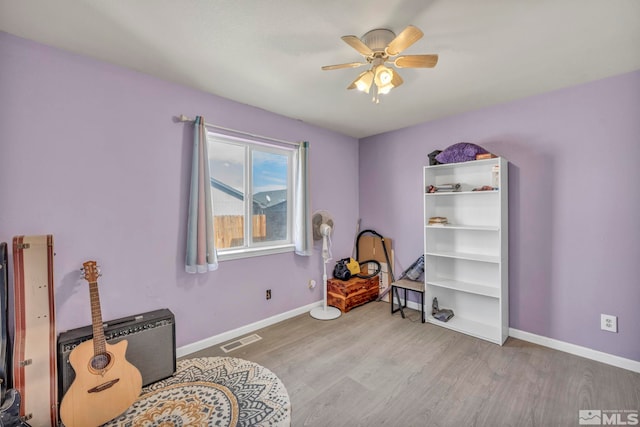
[322,228]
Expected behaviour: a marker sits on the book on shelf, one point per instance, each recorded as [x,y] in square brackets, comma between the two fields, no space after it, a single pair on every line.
[438,221]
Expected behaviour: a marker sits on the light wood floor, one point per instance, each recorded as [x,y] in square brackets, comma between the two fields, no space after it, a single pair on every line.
[369,368]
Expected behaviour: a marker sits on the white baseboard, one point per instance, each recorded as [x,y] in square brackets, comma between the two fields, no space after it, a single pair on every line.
[235,333]
[416,306]
[587,353]
[577,350]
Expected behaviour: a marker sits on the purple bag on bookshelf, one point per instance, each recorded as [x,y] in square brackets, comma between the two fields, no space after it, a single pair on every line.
[460,152]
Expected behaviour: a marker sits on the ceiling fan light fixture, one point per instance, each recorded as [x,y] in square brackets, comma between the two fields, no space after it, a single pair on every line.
[385,89]
[384,76]
[363,82]
[384,80]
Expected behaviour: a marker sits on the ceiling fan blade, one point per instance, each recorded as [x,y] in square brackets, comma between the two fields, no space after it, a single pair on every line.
[339,66]
[416,61]
[406,38]
[358,45]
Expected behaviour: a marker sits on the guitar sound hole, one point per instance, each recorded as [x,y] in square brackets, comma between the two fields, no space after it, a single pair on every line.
[100,361]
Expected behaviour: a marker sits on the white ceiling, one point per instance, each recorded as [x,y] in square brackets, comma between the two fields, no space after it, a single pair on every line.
[268,53]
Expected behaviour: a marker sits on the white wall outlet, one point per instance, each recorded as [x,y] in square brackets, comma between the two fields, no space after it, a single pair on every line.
[609,323]
[312,284]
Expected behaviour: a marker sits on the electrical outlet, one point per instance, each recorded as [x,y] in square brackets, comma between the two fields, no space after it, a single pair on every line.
[312,284]
[268,293]
[609,323]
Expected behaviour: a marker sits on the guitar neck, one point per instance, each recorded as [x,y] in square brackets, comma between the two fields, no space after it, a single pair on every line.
[99,345]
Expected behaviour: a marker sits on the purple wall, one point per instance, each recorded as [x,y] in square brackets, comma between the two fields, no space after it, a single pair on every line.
[90,154]
[574,204]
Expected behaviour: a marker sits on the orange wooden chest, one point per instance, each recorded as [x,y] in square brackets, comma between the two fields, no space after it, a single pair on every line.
[347,294]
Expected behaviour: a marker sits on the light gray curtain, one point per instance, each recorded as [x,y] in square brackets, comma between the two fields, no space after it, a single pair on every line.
[302,237]
[201,251]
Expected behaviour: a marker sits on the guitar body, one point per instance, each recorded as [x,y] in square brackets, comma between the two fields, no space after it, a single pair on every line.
[99,395]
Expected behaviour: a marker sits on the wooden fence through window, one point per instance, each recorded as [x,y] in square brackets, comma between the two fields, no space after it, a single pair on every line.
[230,229]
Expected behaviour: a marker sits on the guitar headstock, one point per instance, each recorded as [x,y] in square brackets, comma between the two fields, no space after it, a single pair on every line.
[90,271]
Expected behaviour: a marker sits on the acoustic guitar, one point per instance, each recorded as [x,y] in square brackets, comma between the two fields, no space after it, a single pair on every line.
[106,384]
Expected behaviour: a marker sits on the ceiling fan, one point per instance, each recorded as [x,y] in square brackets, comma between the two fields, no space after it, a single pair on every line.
[379,47]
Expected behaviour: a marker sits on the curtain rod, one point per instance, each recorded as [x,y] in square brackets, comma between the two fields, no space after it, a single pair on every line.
[183,118]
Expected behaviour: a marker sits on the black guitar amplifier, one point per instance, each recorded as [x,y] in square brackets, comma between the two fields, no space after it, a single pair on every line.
[151,347]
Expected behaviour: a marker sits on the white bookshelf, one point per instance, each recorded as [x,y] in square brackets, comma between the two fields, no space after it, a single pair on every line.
[466,261]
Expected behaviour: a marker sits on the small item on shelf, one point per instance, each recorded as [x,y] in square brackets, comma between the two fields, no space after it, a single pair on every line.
[443,315]
[484,188]
[443,188]
[495,176]
[438,220]
[482,156]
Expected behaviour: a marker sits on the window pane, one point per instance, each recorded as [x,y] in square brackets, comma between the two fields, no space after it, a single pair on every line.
[226,164]
[270,193]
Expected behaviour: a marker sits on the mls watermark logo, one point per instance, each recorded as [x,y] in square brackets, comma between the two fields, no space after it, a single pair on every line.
[598,417]
[590,417]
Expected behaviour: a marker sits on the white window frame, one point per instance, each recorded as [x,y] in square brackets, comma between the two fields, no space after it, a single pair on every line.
[251,249]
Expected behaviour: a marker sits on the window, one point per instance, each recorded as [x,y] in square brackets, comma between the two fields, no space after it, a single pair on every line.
[251,187]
